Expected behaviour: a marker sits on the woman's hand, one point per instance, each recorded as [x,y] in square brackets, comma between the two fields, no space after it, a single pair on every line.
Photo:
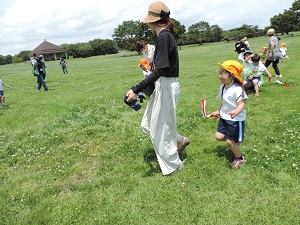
[131,96]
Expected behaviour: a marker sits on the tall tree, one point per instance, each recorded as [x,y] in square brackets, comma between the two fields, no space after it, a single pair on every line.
[284,22]
[128,33]
[216,33]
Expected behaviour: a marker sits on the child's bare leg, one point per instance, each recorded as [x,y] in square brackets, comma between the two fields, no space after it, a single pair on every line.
[220,137]
[235,148]
[255,82]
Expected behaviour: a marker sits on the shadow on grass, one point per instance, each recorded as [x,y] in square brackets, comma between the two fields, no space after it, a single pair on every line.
[151,160]
[221,151]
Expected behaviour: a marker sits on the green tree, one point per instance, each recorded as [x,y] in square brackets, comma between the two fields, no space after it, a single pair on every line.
[8,59]
[2,60]
[72,49]
[24,55]
[129,32]
[85,50]
[200,33]
[179,32]
[216,33]
[284,22]
[296,9]
[108,47]
[96,44]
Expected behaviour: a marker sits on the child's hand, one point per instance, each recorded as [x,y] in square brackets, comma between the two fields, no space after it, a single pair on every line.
[232,114]
[216,113]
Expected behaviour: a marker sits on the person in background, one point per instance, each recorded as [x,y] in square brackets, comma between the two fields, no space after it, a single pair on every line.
[283,50]
[63,64]
[255,72]
[263,54]
[38,72]
[231,126]
[239,47]
[159,120]
[245,40]
[41,58]
[142,47]
[274,53]
[2,99]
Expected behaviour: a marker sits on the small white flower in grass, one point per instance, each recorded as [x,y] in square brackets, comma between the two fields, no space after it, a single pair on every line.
[294,165]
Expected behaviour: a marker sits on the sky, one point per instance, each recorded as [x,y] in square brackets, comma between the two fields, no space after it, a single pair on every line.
[24,24]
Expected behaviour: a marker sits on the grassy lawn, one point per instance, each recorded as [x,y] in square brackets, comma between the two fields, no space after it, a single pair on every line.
[76,154]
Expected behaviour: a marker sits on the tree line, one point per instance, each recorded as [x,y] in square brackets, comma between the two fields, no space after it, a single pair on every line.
[127,34]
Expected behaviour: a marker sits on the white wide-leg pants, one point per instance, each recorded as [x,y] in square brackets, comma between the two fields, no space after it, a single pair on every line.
[159,122]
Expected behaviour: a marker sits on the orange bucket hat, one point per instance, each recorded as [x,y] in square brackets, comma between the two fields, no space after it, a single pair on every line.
[144,62]
[234,67]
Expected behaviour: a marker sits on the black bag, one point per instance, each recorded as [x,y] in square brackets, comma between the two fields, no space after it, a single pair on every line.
[249,87]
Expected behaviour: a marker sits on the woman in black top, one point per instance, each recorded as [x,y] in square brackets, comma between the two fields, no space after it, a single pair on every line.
[159,120]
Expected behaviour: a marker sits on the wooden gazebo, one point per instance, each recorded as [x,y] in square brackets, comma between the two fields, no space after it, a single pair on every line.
[49,51]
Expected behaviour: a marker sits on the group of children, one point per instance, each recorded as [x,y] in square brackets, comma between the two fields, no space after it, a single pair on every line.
[254,68]
[233,94]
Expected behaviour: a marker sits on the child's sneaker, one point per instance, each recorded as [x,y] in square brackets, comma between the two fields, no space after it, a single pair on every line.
[236,162]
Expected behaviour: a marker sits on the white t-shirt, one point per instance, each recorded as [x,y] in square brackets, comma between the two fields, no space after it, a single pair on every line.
[1,87]
[149,53]
[260,67]
[230,99]
[283,51]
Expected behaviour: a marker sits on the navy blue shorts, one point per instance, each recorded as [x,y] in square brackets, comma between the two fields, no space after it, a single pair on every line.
[233,130]
[1,93]
[254,78]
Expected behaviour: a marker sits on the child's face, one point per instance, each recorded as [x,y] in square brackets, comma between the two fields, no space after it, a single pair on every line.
[225,77]
[246,55]
[264,50]
[255,63]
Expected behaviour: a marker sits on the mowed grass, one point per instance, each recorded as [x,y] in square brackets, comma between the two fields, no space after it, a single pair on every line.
[76,154]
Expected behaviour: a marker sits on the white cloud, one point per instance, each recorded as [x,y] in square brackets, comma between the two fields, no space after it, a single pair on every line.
[25,24]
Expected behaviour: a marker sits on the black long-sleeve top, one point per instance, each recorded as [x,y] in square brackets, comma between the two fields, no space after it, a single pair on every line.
[165,61]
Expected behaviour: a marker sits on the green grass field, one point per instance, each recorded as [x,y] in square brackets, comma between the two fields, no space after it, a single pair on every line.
[76,154]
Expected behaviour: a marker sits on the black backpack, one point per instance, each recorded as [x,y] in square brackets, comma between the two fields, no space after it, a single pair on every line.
[249,87]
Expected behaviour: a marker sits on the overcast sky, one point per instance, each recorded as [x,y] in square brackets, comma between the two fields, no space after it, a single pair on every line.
[24,24]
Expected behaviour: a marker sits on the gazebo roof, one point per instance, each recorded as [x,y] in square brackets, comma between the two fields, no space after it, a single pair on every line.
[47,48]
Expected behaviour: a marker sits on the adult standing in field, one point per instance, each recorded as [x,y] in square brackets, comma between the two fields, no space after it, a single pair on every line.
[41,58]
[239,47]
[159,120]
[38,72]
[63,64]
[274,53]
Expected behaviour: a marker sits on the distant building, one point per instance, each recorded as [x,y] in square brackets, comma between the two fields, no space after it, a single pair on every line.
[49,51]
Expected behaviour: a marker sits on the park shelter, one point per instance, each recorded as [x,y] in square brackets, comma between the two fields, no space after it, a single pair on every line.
[49,51]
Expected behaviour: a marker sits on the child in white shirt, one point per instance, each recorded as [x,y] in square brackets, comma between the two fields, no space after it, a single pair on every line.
[255,71]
